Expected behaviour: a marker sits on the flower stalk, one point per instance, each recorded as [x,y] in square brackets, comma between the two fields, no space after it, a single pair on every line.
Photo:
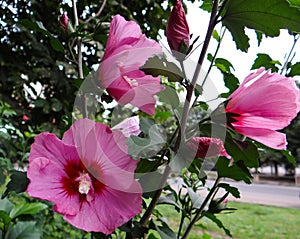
[183,121]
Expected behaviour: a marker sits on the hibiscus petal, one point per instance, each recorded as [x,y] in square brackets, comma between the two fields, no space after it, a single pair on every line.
[129,126]
[127,50]
[270,138]
[49,146]
[109,210]
[45,178]
[263,103]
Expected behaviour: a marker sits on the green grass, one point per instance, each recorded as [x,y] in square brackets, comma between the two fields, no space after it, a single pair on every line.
[248,222]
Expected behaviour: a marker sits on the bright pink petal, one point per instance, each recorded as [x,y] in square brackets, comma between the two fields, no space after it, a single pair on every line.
[101,148]
[48,146]
[121,64]
[109,210]
[263,103]
[120,31]
[270,138]
[127,50]
[45,178]
[92,181]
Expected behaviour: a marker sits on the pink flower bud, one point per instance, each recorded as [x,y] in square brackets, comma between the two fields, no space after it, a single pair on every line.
[64,21]
[178,34]
[25,118]
[206,147]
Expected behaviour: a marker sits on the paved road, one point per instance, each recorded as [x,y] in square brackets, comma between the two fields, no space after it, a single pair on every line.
[267,194]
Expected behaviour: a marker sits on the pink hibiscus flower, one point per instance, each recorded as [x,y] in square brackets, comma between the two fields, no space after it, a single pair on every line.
[87,175]
[262,104]
[206,147]
[127,49]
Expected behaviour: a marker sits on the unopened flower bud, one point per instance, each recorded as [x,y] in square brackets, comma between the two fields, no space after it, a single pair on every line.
[178,34]
[64,21]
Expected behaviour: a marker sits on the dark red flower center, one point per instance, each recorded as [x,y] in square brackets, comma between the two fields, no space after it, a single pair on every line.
[231,118]
[78,181]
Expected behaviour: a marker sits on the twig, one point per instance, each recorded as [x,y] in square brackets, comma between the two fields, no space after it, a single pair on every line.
[79,61]
[200,210]
[98,13]
[79,43]
[190,90]
[296,38]
[156,196]
[214,57]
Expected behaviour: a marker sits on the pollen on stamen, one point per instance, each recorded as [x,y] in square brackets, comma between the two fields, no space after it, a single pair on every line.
[84,185]
[131,82]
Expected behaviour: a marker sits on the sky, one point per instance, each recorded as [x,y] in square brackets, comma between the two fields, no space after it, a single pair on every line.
[277,48]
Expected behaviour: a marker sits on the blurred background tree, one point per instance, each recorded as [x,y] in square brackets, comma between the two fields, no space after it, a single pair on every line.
[38,72]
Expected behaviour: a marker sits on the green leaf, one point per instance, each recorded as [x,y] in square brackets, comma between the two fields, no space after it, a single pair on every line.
[223,65]
[245,151]
[157,66]
[4,221]
[232,190]
[264,60]
[267,16]
[26,208]
[294,70]
[231,82]
[197,200]
[40,103]
[169,96]
[36,26]
[56,105]
[259,37]
[152,236]
[150,182]
[235,171]
[39,27]
[198,90]
[23,230]
[215,35]
[295,3]
[18,183]
[6,205]
[162,116]
[145,166]
[165,231]
[169,200]
[219,223]
[207,5]
[149,144]
[56,44]
[289,156]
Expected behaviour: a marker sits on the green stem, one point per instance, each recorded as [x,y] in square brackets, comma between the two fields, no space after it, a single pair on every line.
[79,42]
[296,38]
[186,108]
[180,225]
[214,57]
[79,62]
[191,86]
[201,209]
[156,196]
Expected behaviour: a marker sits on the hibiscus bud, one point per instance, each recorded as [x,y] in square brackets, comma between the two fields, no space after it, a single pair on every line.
[25,118]
[206,147]
[64,21]
[178,34]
